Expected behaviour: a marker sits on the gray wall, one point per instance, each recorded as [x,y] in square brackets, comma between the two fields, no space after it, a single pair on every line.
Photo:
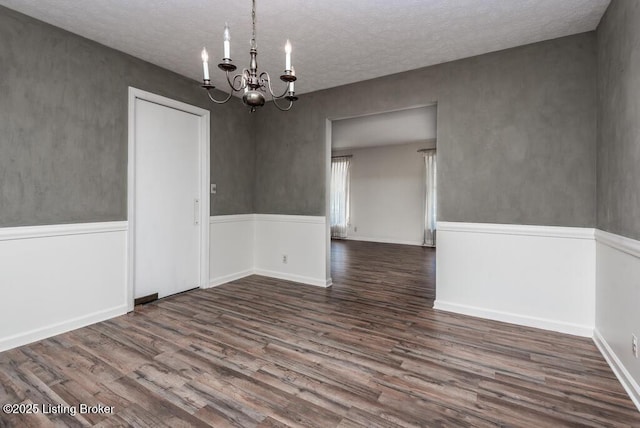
[63,128]
[619,119]
[516,135]
[516,132]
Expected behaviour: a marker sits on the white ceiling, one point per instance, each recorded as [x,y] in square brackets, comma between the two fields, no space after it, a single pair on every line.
[397,127]
[335,42]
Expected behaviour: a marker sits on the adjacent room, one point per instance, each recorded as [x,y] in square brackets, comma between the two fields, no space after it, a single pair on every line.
[257,214]
[383,198]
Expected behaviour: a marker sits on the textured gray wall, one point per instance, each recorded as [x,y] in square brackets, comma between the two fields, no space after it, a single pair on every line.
[516,135]
[63,128]
[619,119]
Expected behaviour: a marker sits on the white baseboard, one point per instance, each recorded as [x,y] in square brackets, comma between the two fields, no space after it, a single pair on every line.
[59,328]
[383,240]
[319,282]
[623,375]
[545,324]
[214,282]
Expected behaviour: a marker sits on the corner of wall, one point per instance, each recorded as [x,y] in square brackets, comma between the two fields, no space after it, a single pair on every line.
[242,245]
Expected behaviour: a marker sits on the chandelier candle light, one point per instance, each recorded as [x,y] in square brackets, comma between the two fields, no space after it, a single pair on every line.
[254,85]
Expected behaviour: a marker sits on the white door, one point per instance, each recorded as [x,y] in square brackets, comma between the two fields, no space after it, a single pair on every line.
[166,200]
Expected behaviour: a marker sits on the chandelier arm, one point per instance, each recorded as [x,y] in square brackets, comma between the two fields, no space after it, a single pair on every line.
[232,82]
[275,103]
[268,80]
[217,101]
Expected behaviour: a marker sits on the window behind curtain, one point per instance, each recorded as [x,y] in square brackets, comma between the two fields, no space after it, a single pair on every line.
[430,208]
[340,196]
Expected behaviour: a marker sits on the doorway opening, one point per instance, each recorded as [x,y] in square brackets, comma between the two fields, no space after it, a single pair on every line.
[382,196]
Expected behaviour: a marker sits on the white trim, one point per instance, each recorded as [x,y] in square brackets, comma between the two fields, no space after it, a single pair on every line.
[319,282]
[233,218]
[382,240]
[625,378]
[518,229]
[328,129]
[618,242]
[131,185]
[546,324]
[214,282]
[30,232]
[204,170]
[205,188]
[284,218]
[59,328]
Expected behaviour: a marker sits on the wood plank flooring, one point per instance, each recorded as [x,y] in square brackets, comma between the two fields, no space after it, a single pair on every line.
[368,352]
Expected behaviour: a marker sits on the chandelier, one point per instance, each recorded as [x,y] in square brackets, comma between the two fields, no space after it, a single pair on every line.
[254,85]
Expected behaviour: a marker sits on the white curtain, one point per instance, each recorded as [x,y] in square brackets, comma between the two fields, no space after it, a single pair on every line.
[430,198]
[340,196]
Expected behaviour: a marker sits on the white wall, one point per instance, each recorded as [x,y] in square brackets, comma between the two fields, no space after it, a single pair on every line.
[618,306]
[231,245]
[243,245]
[387,193]
[410,125]
[539,276]
[301,238]
[58,278]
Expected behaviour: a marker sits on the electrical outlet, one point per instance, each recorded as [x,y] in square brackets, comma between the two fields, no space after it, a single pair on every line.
[355,228]
[284,259]
[634,345]
[214,189]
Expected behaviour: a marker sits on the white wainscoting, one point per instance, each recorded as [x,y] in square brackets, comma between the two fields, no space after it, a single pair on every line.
[617,306]
[231,247]
[301,238]
[247,244]
[60,277]
[538,276]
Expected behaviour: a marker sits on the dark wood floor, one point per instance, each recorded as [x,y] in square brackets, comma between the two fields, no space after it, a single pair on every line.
[368,352]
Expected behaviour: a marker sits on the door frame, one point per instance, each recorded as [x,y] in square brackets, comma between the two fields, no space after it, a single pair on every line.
[204,173]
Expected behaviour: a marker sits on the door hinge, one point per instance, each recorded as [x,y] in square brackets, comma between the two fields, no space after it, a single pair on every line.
[196,211]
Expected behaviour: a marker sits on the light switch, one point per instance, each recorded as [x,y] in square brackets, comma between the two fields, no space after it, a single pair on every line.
[214,189]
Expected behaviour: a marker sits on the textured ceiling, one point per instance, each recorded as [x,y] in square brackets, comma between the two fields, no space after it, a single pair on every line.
[335,42]
[397,127]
